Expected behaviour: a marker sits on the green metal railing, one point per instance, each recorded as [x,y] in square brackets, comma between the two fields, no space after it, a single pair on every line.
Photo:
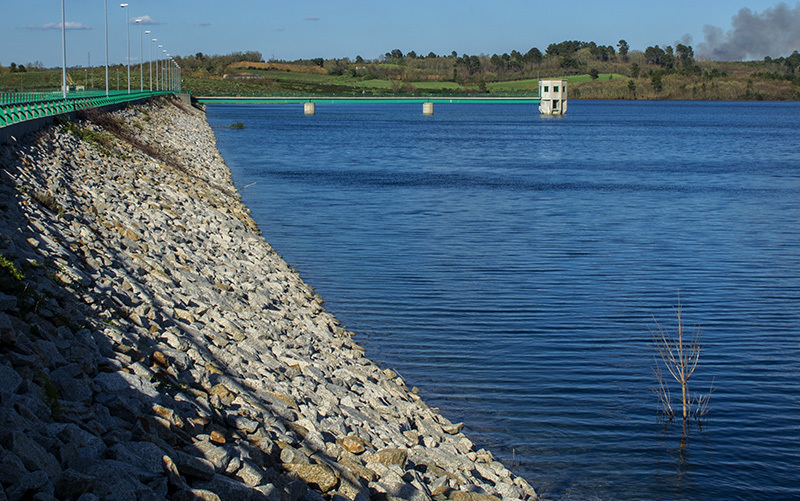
[316,98]
[21,106]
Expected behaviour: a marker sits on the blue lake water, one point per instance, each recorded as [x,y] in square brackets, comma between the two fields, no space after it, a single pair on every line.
[509,265]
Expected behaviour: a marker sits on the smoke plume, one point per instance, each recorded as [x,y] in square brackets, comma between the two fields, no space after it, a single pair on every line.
[774,32]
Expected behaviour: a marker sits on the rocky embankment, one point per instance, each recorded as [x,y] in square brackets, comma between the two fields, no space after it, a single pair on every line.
[154,346]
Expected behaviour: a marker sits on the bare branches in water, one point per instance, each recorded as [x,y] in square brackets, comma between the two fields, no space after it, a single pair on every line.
[679,353]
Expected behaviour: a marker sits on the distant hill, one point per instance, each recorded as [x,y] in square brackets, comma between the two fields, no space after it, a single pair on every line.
[594,72]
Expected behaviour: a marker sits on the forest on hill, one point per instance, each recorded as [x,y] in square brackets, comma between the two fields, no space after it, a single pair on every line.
[595,71]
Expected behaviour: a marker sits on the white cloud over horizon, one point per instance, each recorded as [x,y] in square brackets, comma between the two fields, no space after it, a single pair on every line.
[146,20]
[69,25]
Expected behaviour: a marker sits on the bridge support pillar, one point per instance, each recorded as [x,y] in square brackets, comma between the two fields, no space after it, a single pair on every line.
[427,109]
[309,108]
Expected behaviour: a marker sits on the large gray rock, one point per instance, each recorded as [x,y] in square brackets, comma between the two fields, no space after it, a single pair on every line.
[11,468]
[127,384]
[32,455]
[72,484]
[10,380]
[230,490]
[30,485]
[193,466]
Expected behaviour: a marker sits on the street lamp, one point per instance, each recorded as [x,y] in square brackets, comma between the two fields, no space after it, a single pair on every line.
[106,10]
[128,28]
[63,52]
[163,65]
[141,59]
[150,58]
[158,69]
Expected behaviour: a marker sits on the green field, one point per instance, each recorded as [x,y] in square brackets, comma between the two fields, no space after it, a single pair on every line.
[532,85]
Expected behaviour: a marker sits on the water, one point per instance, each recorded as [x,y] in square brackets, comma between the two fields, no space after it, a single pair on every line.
[509,265]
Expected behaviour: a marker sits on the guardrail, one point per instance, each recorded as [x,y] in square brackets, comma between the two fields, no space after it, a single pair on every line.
[19,107]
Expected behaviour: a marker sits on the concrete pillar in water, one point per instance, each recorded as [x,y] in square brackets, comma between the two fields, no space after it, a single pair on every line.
[427,108]
[309,108]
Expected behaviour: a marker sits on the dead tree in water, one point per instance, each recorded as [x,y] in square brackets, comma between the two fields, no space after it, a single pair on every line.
[680,353]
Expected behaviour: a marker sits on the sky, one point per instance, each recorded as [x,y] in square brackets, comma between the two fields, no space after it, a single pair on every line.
[30,30]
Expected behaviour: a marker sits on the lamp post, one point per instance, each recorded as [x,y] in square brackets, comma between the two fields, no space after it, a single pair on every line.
[63,52]
[150,58]
[106,11]
[163,75]
[141,58]
[128,30]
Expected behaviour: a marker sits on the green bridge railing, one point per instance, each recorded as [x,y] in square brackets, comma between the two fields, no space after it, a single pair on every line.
[16,107]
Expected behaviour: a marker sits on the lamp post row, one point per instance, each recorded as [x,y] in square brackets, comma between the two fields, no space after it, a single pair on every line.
[170,79]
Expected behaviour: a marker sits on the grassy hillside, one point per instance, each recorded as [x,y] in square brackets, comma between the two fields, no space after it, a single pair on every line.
[594,72]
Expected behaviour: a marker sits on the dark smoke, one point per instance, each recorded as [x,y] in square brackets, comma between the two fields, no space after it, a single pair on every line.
[774,32]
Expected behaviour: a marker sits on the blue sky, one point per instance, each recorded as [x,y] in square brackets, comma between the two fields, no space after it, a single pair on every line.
[30,29]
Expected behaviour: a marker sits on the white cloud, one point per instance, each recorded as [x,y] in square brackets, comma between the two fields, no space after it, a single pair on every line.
[146,20]
[57,26]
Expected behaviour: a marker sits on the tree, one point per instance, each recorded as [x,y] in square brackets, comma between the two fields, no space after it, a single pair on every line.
[793,61]
[471,63]
[474,64]
[359,59]
[594,74]
[566,48]
[623,49]
[601,52]
[684,52]
[635,70]
[570,62]
[679,354]
[668,60]
[632,87]
[534,56]
[655,80]
[654,55]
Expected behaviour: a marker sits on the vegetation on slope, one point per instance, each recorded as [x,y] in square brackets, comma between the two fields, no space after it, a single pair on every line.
[594,71]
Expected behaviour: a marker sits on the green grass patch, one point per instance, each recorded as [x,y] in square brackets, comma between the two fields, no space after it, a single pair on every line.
[48,201]
[11,277]
[9,268]
[532,85]
[102,141]
[515,86]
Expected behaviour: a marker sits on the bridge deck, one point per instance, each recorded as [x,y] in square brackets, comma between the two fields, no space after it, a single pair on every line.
[371,99]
